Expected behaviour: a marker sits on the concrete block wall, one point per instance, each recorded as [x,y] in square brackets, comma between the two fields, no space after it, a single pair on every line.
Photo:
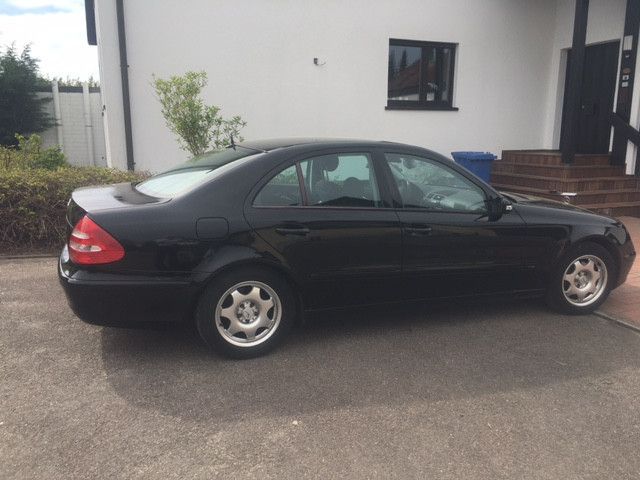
[79,132]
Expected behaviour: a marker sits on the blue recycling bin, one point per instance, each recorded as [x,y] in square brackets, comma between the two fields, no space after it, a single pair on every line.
[478,163]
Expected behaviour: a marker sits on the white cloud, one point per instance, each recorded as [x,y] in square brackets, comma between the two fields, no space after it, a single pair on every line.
[58,39]
[61,4]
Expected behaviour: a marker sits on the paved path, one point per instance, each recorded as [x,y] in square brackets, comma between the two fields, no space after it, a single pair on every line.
[624,301]
[466,391]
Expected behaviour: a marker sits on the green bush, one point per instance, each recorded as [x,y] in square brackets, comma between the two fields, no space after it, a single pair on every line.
[197,125]
[33,203]
[50,159]
[30,154]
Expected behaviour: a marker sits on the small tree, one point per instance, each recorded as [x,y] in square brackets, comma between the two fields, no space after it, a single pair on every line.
[21,110]
[197,126]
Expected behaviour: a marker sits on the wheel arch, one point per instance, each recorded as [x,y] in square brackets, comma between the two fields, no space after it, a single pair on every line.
[260,263]
[603,242]
[555,296]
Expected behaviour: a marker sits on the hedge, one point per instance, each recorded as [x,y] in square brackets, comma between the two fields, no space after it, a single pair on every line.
[33,203]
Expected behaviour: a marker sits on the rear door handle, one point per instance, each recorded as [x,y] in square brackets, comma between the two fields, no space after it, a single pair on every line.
[418,229]
[293,230]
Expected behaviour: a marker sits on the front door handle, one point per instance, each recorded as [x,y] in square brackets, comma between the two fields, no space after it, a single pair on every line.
[302,231]
[418,229]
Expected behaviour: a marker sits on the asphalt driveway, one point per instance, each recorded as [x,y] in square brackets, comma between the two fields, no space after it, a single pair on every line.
[460,391]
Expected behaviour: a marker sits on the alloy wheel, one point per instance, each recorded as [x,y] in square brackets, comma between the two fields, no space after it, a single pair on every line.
[248,314]
[584,280]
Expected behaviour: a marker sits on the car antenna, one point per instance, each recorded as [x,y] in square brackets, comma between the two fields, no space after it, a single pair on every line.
[233,144]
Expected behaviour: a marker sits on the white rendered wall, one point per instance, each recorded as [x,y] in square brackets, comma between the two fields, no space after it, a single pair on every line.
[259,58]
[97,125]
[110,84]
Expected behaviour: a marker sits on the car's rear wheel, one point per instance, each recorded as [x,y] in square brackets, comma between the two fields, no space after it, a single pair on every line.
[246,312]
[582,279]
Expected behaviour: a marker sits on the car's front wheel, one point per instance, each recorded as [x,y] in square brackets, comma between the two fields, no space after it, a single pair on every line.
[246,312]
[582,279]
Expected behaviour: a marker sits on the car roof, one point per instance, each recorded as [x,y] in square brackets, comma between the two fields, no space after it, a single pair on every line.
[268,145]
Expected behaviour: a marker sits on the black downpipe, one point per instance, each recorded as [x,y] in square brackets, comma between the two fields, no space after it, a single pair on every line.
[124,73]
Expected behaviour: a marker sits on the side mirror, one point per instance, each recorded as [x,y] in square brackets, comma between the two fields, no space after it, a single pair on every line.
[498,206]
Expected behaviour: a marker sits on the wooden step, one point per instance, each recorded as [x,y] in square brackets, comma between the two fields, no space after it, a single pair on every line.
[547,183]
[552,157]
[559,171]
[598,185]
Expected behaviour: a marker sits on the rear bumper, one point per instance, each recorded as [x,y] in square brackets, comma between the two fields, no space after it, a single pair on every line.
[101,299]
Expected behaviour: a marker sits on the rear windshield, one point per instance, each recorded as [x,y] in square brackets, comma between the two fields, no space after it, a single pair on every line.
[192,173]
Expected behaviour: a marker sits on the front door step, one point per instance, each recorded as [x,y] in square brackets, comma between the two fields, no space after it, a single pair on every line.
[592,181]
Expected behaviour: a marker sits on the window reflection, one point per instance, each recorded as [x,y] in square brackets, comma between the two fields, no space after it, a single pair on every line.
[404,73]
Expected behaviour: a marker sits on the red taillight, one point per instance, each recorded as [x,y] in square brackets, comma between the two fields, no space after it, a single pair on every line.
[89,244]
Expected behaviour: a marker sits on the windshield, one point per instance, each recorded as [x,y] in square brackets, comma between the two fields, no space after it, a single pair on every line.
[192,173]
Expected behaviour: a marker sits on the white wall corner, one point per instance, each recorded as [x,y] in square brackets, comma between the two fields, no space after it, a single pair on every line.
[110,84]
[634,119]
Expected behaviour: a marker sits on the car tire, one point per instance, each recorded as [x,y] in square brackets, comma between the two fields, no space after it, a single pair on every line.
[581,280]
[245,312]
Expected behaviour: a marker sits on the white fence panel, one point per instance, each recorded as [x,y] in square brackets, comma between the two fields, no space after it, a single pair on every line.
[80,133]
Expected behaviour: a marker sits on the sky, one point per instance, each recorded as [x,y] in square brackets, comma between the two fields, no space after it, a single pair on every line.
[57,33]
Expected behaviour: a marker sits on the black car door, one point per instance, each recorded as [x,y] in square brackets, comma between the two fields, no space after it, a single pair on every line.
[327,219]
[450,247]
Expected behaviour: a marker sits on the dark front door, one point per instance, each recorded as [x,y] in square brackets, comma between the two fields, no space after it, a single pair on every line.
[596,98]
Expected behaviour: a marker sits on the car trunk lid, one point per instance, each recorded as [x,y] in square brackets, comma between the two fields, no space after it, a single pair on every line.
[88,200]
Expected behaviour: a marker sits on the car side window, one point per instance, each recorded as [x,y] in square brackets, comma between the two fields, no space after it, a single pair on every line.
[425,183]
[283,190]
[341,180]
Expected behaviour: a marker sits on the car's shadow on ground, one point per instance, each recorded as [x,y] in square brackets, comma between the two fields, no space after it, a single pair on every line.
[391,356]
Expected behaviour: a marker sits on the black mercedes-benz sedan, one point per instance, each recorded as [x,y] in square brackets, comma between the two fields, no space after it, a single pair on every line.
[244,240]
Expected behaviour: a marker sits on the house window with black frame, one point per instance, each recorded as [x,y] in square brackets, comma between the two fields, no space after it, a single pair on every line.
[421,75]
